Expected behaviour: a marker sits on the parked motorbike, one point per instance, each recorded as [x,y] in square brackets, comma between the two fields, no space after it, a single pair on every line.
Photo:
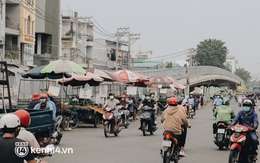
[124,113]
[109,123]
[222,138]
[146,120]
[240,150]
[170,149]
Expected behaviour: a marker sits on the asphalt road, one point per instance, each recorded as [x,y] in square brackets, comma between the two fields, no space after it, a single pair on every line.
[90,145]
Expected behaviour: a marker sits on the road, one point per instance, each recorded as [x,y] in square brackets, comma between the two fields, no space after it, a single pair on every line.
[90,145]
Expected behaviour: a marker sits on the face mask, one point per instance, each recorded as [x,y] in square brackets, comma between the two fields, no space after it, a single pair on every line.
[122,99]
[42,100]
[111,97]
[246,108]
[152,96]
[147,97]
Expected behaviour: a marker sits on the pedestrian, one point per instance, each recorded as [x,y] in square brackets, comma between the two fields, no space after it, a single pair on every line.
[202,101]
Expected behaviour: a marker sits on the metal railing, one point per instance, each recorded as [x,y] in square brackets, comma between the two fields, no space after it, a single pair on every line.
[11,24]
[196,71]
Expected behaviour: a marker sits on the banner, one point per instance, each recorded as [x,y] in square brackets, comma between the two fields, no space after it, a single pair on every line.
[85,93]
[54,90]
[131,90]
[103,91]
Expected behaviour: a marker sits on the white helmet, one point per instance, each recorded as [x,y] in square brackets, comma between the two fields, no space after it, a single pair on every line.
[9,120]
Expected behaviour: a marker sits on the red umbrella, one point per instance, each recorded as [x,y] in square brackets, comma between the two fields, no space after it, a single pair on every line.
[79,80]
[159,80]
[106,75]
[131,76]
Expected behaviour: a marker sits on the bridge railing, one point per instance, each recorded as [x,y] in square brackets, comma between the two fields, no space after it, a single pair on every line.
[195,71]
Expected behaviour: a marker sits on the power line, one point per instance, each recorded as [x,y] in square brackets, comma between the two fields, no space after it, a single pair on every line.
[173,54]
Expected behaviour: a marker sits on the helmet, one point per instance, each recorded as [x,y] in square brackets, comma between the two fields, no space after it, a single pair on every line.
[247,102]
[24,117]
[44,96]
[123,96]
[147,94]
[111,94]
[173,101]
[50,94]
[36,96]
[9,120]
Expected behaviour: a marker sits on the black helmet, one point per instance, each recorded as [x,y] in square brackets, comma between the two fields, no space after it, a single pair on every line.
[147,94]
[111,94]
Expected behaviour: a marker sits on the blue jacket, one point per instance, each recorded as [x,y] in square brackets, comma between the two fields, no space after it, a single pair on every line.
[246,119]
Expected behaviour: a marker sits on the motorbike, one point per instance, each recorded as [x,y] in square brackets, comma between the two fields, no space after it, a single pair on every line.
[222,138]
[170,149]
[146,120]
[133,110]
[240,149]
[70,119]
[109,123]
[190,111]
[124,113]
[239,100]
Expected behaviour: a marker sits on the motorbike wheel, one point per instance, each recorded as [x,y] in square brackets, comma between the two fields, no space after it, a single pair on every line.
[134,115]
[107,129]
[167,156]
[75,123]
[220,145]
[65,124]
[143,128]
[233,156]
[116,133]
[96,121]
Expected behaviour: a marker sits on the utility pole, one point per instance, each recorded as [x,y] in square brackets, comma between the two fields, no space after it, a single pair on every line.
[131,37]
[121,32]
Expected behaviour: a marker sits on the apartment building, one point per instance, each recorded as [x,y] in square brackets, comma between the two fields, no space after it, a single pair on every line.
[76,38]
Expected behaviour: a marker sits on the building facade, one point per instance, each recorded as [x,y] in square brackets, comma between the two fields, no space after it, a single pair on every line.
[232,63]
[76,38]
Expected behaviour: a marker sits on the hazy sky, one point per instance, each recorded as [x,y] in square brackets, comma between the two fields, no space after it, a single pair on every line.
[170,26]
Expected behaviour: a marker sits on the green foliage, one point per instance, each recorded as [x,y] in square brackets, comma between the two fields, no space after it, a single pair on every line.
[243,74]
[211,52]
[169,64]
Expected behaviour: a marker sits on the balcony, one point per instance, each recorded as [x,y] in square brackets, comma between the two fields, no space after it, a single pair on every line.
[12,2]
[12,27]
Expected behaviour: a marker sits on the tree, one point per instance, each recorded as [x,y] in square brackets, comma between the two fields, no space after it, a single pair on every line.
[243,74]
[169,64]
[211,52]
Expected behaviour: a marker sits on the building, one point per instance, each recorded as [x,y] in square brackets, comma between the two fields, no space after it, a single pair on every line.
[19,30]
[105,54]
[76,38]
[47,31]
[232,63]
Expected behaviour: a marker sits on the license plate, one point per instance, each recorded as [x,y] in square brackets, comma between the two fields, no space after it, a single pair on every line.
[221,130]
[166,143]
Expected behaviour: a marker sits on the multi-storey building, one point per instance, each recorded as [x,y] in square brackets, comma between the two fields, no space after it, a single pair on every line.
[47,42]
[76,38]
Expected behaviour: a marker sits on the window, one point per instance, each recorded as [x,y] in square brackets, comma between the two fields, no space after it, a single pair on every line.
[32,27]
[28,25]
[24,24]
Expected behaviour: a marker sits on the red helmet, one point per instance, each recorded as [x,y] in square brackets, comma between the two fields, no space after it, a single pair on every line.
[173,101]
[123,96]
[24,117]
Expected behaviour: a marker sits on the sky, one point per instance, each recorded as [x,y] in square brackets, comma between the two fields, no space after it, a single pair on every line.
[171,26]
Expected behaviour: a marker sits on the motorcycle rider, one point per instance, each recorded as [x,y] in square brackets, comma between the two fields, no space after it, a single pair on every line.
[173,117]
[10,127]
[191,101]
[217,101]
[250,97]
[148,101]
[248,117]
[113,102]
[25,120]
[51,100]
[123,101]
[223,113]
[35,100]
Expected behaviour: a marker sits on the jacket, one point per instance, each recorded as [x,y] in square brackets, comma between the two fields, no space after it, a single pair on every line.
[224,114]
[172,118]
[249,120]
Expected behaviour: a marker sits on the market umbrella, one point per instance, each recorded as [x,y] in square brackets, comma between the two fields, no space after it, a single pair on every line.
[159,80]
[131,76]
[63,66]
[35,73]
[176,84]
[80,80]
[106,75]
